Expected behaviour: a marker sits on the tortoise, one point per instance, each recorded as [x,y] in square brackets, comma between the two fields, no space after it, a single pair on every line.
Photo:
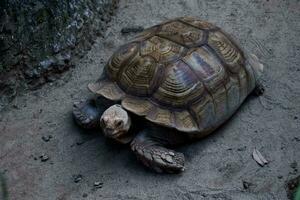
[173,83]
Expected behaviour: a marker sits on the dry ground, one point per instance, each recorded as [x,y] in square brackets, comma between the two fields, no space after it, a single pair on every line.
[218,167]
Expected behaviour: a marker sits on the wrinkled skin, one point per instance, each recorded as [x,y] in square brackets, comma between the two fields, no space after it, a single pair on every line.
[149,143]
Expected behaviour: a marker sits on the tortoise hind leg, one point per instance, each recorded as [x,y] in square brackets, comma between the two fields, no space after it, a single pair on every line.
[87,113]
[152,152]
[259,89]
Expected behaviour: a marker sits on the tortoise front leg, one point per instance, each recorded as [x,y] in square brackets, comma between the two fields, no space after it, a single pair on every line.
[150,149]
[87,113]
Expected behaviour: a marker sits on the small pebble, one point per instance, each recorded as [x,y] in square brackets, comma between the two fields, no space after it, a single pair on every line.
[15,106]
[77,178]
[204,195]
[246,185]
[242,148]
[80,143]
[98,184]
[279,177]
[84,195]
[44,158]
[297,139]
[47,138]
[293,165]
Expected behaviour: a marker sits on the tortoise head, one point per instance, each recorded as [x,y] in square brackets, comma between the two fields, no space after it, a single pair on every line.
[115,123]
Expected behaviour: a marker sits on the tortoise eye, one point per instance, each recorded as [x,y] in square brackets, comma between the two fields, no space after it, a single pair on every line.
[102,121]
[119,123]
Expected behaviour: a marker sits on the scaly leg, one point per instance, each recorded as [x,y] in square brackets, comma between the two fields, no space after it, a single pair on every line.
[150,148]
[87,113]
[259,89]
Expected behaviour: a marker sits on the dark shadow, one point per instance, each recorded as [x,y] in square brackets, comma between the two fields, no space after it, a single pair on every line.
[3,186]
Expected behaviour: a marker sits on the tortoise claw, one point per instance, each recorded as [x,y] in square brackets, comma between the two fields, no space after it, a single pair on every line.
[159,158]
[259,90]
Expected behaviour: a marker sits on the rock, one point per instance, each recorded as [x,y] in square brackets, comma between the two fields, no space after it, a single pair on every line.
[80,142]
[44,157]
[297,139]
[77,178]
[46,138]
[246,185]
[84,195]
[241,148]
[98,184]
[15,106]
[293,165]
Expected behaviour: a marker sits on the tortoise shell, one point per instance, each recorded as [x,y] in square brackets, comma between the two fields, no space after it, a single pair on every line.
[185,74]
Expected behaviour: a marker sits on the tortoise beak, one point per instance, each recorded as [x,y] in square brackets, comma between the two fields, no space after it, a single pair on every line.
[109,132]
[119,136]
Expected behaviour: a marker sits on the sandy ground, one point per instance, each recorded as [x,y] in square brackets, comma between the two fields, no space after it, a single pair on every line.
[218,167]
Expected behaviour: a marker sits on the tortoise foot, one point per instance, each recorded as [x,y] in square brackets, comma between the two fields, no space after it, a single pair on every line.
[86,114]
[158,158]
[259,90]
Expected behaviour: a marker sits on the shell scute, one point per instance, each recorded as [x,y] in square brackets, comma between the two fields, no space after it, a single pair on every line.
[185,121]
[226,50]
[204,25]
[119,59]
[204,111]
[233,94]
[207,67]
[139,75]
[179,87]
[161,49]
[182,33]
[138,106]
[161,116]
[107,89]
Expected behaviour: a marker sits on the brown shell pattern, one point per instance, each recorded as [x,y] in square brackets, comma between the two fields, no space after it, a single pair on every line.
[185,74]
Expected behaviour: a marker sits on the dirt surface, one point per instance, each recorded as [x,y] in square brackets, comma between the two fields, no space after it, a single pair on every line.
[67,164]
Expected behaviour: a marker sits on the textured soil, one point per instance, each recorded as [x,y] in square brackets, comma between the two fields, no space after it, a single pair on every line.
[67,164]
